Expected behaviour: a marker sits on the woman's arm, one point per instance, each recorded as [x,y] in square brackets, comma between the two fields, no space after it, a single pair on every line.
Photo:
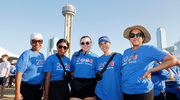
[72,72]
[178,63]
[46,86]
[18,85]
[172,74]
[169,61]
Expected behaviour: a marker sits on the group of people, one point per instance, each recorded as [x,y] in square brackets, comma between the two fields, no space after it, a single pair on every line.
[112,76]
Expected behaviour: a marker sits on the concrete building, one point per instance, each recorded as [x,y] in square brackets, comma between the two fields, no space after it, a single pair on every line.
[68,11]
[161,43]
[52,49]
[175,49]
[176,53]
[161,38]
[171,49]
[177,44]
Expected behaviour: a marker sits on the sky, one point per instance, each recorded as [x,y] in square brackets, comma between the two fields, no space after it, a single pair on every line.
[95,18]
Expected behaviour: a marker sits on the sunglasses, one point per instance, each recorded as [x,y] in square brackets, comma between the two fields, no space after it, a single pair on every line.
[37,41]
[87,43]
[60,47]
[132,35]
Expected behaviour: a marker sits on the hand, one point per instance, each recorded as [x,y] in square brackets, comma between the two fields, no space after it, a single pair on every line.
[172,76]
[17,96]
[147,74]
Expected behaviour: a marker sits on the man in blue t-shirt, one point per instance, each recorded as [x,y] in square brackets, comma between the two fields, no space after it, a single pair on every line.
[158,79]
[173,85]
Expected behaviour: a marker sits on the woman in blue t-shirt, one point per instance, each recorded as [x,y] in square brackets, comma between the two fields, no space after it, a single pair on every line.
[56,88]
[83,66]
[29,71]
[136,80]
[108,88]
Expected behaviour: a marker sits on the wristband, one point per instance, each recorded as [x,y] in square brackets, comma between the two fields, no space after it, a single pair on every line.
[45,96]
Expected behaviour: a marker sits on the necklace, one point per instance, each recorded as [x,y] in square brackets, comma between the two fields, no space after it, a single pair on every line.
[133,55]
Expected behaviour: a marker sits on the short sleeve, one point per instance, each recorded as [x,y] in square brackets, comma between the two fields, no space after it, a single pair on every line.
[8,65]
[48,65]
[165,74]
[22,62]
[120,57]
[72,62]
[155,53]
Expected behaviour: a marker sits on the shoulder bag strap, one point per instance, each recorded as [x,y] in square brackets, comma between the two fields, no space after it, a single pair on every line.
[102,71]
[61,62]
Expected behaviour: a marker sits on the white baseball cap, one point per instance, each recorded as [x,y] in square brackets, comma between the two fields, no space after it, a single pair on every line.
[36,36]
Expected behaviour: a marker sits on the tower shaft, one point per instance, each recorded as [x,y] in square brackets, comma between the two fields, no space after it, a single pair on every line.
[68,11]
[68,33]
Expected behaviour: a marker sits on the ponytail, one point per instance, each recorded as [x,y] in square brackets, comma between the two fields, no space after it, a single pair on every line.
[79,52]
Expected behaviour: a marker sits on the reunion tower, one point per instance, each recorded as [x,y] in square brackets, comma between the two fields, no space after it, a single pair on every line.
[68,11]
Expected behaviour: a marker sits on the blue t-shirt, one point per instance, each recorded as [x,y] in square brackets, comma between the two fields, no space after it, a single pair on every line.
[53,65]
[12,70]
[84,65]
[109,87]
[171,86]
[134,68]
[31,65]
[158,79]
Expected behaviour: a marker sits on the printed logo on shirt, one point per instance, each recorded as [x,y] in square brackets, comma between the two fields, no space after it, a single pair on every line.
[112,63]
[39,62]
[129,59]
[102,65]
[59,66]
[86,61]
[134,57]
[177,72]
[90,60]
[68,66]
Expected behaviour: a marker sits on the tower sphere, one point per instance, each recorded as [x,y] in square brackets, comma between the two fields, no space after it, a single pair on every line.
[68,9]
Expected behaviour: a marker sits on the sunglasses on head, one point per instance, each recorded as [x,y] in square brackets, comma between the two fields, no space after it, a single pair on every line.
[87,43]
[132,35]
[60,47]
[37,41]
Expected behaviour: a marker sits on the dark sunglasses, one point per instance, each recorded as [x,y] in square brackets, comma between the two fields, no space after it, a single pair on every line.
[37,41]
[132,35]
[60,47]
[87,43]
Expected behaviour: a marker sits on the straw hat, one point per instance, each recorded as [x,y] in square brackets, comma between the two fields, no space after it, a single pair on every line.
[147,36]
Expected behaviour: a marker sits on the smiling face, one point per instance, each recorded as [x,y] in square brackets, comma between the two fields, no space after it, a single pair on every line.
[136,40]
[105,46]
[62,48]
[36,45]
[86,44]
